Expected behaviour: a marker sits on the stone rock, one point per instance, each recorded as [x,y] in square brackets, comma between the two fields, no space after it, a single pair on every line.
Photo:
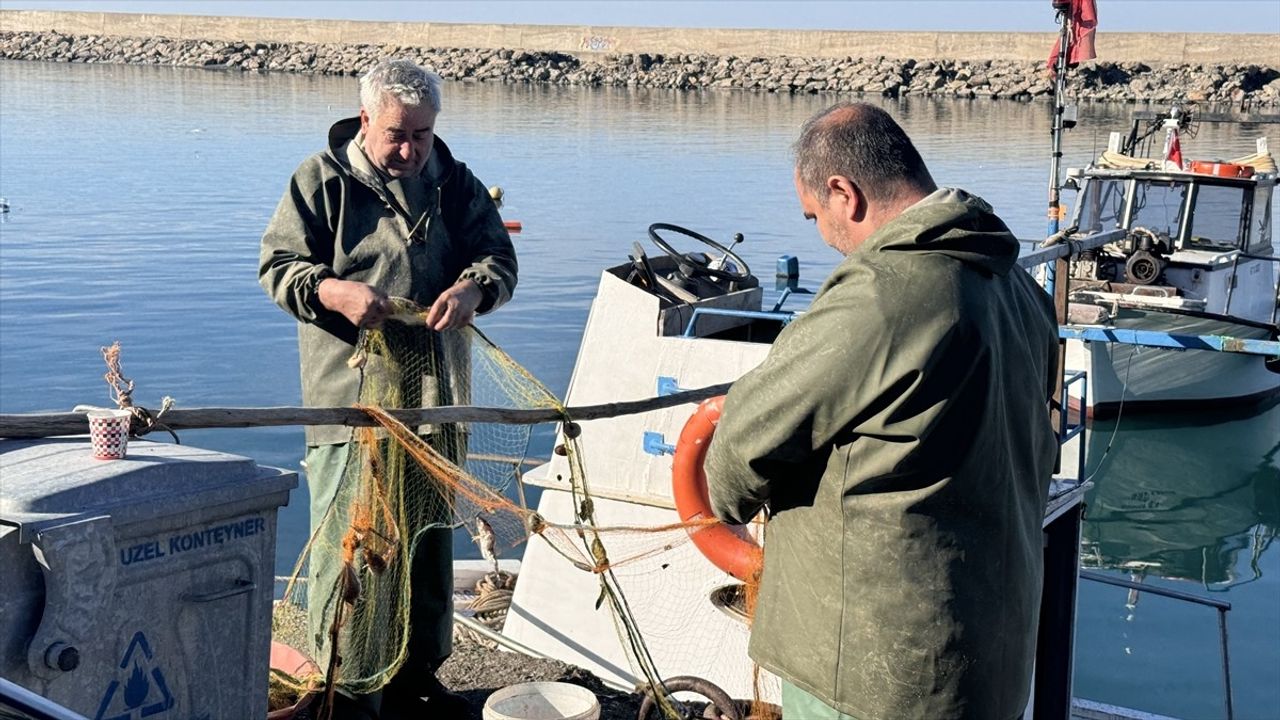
[1021,80]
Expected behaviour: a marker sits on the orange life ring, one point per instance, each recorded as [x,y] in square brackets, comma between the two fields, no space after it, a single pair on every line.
[1221,169]
[728,547]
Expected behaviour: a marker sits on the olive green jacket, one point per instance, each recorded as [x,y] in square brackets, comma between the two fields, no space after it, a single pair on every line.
[899,433]
[411,238]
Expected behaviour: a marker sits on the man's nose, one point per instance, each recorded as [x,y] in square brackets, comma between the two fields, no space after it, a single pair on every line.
[406,151]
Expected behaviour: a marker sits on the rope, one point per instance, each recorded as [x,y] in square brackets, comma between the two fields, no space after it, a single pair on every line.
[493,592]
[1260,162]
[1120,161]
[144,421]
[1124,389]
[489,608]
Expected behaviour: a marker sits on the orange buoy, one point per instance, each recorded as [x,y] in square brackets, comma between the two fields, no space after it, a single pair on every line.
[728,547]
[512,225]
[1221,169]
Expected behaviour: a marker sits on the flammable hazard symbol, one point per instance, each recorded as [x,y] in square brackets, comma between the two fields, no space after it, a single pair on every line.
[139,690]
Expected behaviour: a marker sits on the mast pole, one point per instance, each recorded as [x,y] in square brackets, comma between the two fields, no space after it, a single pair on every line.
[1059,107]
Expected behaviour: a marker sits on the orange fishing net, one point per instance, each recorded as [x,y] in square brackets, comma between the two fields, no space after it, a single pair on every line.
[401,480]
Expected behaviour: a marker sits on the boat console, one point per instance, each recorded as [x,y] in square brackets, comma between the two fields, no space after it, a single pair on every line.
[700,294]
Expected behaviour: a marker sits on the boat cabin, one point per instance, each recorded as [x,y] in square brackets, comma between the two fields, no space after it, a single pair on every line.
[1192,241]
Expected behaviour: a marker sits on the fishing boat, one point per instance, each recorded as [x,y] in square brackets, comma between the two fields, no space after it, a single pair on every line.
[659,326]
[1191,267]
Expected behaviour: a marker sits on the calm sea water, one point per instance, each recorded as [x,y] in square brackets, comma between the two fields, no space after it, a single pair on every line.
[138,196]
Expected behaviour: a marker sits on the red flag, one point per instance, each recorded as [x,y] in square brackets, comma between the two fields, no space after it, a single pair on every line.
[1084,21]
[1173,148]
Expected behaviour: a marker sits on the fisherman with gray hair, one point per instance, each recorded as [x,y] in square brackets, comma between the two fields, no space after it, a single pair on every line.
[898,434]
[386,211]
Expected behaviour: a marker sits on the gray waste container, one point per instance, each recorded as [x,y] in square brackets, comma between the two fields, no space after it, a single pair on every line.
[138,588]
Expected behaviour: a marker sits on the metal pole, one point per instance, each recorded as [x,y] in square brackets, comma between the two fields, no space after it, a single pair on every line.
[1055,637]
[1220,605]
[1059,90]
[1226,661]
[1057,288]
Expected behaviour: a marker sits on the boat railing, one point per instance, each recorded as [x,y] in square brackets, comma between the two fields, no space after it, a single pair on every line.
[1221,606]
[1064,245]
[1155,338]
[1068,429]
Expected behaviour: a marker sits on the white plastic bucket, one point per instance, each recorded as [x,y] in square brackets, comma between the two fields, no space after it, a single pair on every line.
[542,701]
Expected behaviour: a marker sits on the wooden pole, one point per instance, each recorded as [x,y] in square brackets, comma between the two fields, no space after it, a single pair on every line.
[33,425]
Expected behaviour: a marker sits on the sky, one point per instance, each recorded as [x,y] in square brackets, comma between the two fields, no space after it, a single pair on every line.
[1256,16]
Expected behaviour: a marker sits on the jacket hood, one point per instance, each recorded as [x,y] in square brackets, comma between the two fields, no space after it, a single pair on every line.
[440,166]
[954,223]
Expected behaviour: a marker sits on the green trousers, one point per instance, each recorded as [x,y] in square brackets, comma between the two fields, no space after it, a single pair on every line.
[800,705]
[431,574]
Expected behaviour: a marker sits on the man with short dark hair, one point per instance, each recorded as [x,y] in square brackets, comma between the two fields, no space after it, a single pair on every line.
[385,212]
[899,435]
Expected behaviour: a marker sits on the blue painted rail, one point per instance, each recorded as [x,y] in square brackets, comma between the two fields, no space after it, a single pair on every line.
[1154,338]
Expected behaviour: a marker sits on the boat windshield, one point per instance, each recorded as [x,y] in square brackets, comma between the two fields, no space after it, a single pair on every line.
[1157,206]
[1102,206]
[1217,219]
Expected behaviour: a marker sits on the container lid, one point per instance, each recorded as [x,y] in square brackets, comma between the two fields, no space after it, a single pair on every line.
[59,477]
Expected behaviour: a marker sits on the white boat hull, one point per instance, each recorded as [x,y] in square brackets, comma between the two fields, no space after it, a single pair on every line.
[626,347]
[1149,377]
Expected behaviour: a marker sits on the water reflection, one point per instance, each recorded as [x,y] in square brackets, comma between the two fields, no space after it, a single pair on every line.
[1185,497]
[138,195]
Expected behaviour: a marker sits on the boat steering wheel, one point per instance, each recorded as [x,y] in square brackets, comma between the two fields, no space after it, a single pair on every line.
[696,264]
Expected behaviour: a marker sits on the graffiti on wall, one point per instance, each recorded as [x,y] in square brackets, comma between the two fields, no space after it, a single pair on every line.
[597,43]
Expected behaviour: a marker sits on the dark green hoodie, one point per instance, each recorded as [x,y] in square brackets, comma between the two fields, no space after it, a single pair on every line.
[409,238]
[899,434]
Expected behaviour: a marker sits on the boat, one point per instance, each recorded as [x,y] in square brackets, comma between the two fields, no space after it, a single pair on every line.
[1191,257]
[658,326]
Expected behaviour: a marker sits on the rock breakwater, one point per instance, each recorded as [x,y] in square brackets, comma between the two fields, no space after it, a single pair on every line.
[1237,85]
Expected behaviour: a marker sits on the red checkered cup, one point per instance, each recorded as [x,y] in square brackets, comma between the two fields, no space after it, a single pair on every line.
[109,433]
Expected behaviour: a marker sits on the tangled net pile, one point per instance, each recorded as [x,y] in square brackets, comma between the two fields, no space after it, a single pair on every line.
[401,481]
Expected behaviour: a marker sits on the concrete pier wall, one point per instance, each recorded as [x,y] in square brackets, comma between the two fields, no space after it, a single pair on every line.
[1151,48]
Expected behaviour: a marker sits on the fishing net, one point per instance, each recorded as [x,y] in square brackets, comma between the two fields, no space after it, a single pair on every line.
[351,588]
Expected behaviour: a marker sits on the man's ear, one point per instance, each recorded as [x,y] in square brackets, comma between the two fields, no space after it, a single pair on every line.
[364,121]
[846,198]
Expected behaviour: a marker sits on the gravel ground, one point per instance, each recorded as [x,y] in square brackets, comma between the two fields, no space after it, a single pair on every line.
[476,672]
